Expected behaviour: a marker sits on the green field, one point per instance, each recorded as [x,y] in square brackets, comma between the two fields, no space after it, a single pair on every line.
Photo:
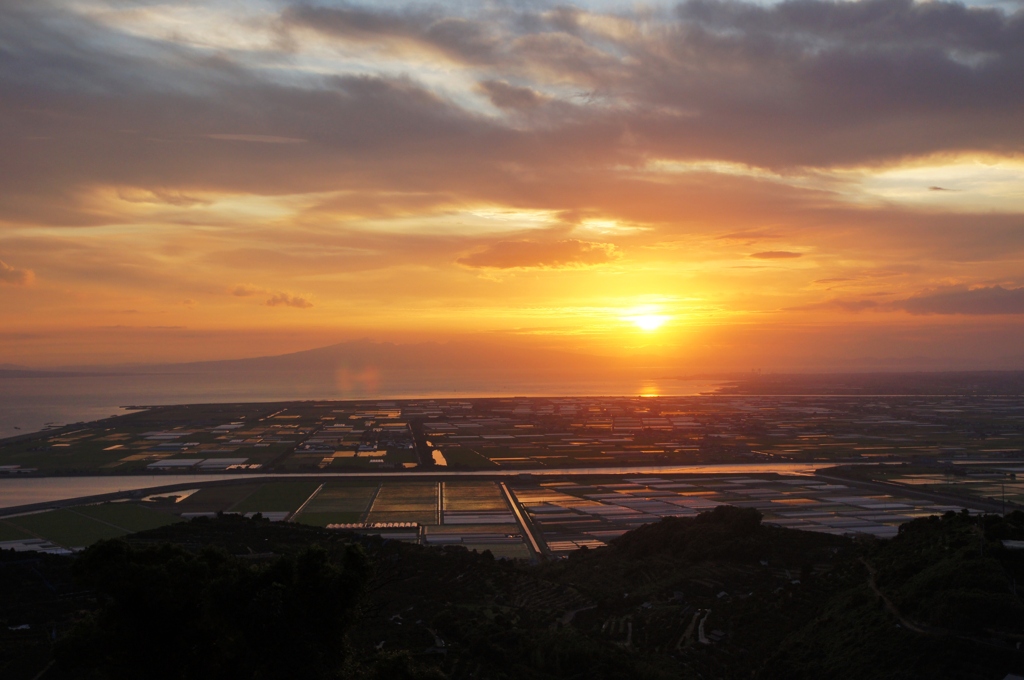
[277,497]
[84,525]
[216,498]
[400,456]
[129,516]
[462,458]
[67,528]
[343,497]
[339,503]
[10,532]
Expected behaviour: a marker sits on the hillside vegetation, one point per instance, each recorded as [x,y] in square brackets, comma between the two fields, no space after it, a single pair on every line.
[717,596]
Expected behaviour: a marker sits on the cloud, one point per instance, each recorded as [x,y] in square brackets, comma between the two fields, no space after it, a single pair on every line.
[970,301]
[260,139]
[804,83]
[289,301]
[537,255]
[14,276]
[776,255]
[364,138]
[506,96]
[841,305]
[750,235]
[459,38]
[157,196]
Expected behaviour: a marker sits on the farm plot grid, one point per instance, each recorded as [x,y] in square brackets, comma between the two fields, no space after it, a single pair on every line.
[994,485]
[339,503]
[572,514]
[477,516]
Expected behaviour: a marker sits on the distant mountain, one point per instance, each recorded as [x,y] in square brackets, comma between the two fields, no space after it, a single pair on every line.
[427,356]
[59,373]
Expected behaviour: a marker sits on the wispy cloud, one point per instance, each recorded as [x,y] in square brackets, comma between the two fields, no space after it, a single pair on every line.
[532,255]
[969,301]
[776,255]
[284,299]
[246,290]
[259,139]
[14,276]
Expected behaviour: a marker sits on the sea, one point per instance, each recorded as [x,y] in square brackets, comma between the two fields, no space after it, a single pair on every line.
[31,404]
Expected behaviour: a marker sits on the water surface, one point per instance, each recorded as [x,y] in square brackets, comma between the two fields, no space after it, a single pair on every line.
[30,404]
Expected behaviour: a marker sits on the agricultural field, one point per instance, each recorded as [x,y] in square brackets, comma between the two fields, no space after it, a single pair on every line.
[275,497]
[527,433]
[473,497]
[560,514]
[213,499]
[406,502]
[340,502]
[993,485]
[477,516]
[84,525]
[131,517]
[570,514]
[11,532]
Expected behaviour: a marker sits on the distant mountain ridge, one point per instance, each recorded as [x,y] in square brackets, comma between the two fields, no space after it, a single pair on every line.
[362,354]
[352,355]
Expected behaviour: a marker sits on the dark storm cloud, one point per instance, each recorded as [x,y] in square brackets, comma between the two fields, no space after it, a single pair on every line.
[970,301]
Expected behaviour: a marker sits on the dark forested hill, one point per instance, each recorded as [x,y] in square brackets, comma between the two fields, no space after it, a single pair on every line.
[717,596]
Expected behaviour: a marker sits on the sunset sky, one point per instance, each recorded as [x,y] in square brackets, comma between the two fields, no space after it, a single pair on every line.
[726,185]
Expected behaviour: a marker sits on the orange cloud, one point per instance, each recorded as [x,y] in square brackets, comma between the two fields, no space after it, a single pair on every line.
[971,301]
[383,180]
[540,255]
[247,291]
[288,301]
[506,96]
[776,255]
[14,276]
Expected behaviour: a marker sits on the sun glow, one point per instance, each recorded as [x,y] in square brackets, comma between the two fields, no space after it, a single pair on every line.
[649,322]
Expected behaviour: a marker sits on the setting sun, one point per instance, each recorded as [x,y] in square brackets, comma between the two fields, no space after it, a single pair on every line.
[649,322]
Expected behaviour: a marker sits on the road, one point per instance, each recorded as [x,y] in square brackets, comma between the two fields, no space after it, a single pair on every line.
[922,629]
[419,439]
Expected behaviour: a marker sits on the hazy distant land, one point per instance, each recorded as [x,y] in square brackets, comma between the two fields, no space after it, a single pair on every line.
[32,398]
